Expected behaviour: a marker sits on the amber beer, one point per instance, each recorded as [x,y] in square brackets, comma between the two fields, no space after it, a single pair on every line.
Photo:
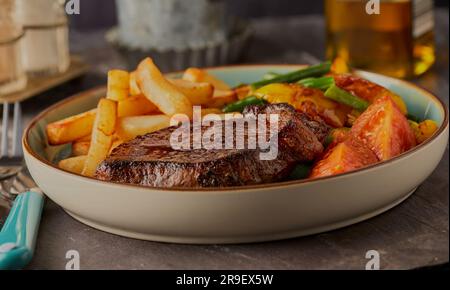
[394,37]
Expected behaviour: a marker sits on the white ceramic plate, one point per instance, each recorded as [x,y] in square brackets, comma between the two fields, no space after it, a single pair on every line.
[236,214]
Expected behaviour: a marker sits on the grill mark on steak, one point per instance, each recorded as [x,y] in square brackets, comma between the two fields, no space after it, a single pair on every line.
[150,160]
[315,124]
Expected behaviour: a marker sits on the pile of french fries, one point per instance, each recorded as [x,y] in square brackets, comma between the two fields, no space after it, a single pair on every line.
[136,103]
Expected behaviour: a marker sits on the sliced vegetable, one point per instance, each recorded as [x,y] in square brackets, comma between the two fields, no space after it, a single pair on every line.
[294,95]
[346,156]
[336,117]
[278,93]
[220,98]
[241,104]
[339,66]
[335,136]
[242,91]
[423,130]
[352,116]
[367,90]
[308,100]
[413,118]
[400,103]
[384,129]
[346,98]
[301,171]
[322,83]
[312,71]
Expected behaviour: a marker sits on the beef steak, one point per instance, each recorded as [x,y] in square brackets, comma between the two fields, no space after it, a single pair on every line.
[150,160]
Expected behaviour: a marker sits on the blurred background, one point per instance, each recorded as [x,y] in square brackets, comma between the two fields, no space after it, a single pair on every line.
[102,13]
[406,40]
[282,31]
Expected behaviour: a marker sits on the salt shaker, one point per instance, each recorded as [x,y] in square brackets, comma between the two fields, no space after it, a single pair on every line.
[46,45]
[12,74]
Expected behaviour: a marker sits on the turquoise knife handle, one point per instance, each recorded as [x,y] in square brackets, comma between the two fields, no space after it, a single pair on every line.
[18,235]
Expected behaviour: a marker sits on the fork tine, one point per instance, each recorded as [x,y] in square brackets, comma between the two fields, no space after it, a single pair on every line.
[4,139]
[5,195]
[17,130]
[6,187]
[25,180]
[18,186]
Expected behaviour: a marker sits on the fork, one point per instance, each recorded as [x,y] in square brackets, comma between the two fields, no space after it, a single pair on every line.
[18,234]
[11,162]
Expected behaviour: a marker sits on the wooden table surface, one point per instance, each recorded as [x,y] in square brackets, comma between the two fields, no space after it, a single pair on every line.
[413,234]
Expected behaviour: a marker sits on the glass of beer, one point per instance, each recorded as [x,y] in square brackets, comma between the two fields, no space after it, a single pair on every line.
[392,37]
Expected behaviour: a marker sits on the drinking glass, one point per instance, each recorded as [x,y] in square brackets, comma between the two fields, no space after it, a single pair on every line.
[393,37]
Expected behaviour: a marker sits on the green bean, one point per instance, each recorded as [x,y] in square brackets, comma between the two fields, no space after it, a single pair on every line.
[322,83]
[328,140]
[413,118]
[301,171]
[311,71]
[341,96]
[241,104]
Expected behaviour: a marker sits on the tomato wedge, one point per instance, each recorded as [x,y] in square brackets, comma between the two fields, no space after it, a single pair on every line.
[367,90]
[346,156]
[384,129]
[380,133]
[336,136]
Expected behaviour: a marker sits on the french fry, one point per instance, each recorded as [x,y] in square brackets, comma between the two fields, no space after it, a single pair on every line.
[161,92]
[198,75]
[221,98]
[102,135]
[197,93]
[131,127]
[234,115]
[208,111]
[135,106]
[243,91]
[73,164]
[118,85]
[80,148]
[134,88]
[115,143]
[220,114]
[85,138]
[71,128]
